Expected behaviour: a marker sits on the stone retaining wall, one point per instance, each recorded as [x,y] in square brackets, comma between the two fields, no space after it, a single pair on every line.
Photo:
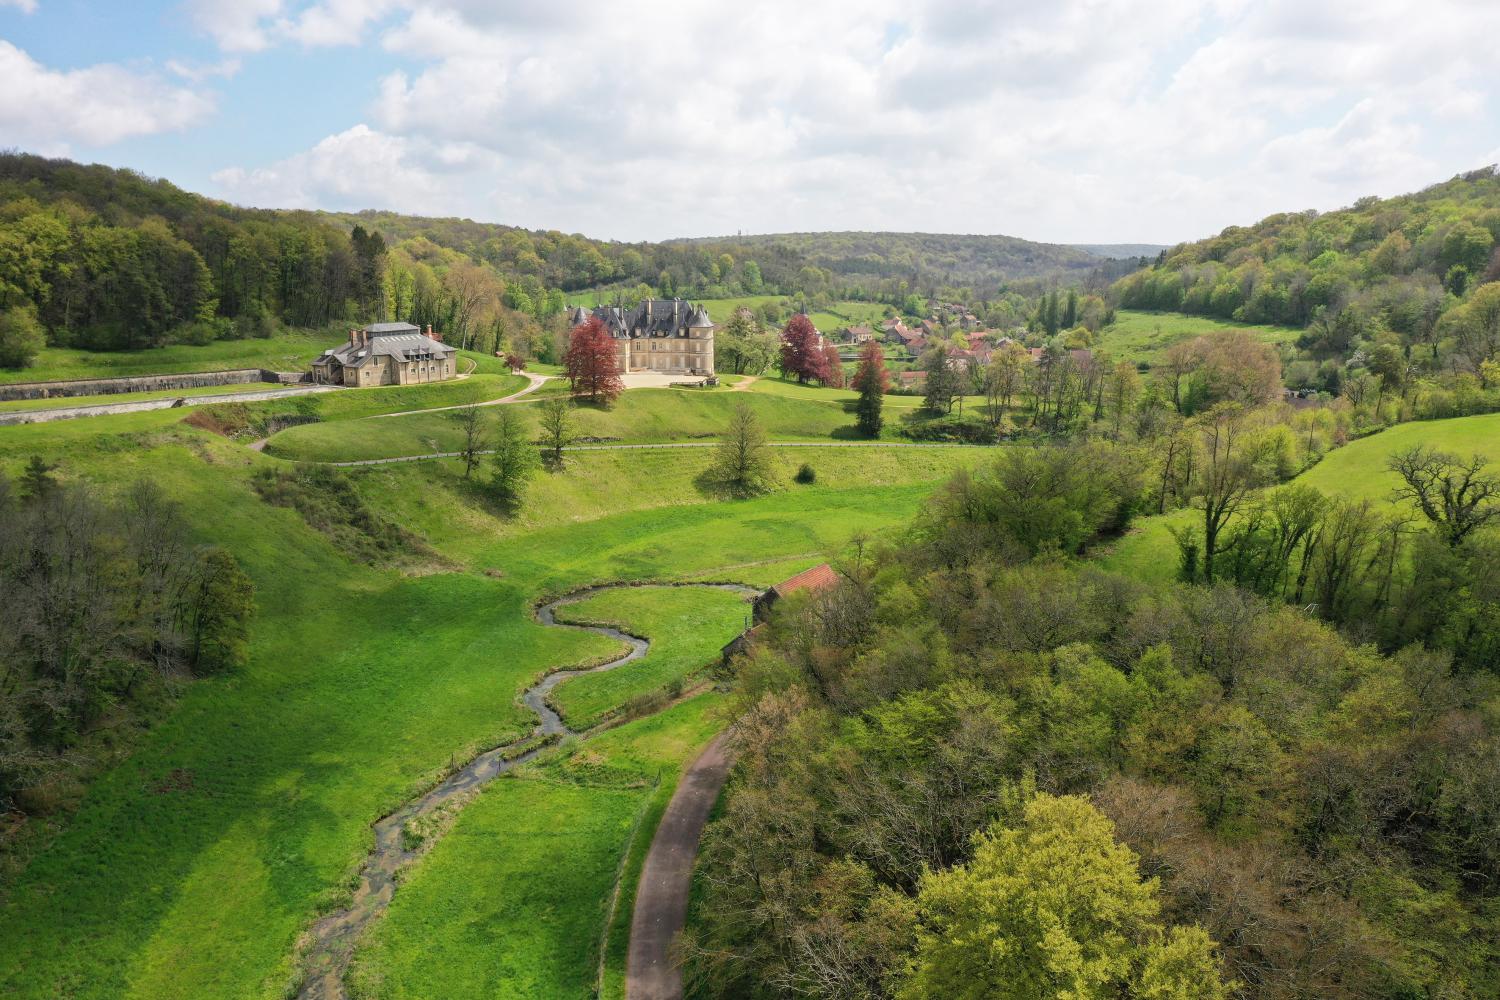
[146,383]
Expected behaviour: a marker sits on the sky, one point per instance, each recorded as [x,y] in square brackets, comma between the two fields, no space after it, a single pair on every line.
[1062,121]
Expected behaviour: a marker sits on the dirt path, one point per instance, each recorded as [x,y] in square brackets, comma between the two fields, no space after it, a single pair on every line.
[661,901]
[328,946]
[744,384]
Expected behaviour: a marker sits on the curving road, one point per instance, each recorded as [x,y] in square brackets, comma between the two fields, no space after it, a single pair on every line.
[661,901]
[331,940]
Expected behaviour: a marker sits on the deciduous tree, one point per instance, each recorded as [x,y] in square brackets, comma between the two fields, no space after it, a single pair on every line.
[801,356]
[592,362]
[742,464]
[514,459]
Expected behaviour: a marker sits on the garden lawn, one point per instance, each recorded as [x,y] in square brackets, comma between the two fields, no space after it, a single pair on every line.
[514,901]
[1356,471]
[190,869]
[687,626]
[1141,337]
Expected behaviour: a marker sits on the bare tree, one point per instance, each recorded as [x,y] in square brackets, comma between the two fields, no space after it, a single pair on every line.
[474,441]
[1452,493]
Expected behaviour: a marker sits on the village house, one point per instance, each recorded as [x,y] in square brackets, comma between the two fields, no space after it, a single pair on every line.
[816,580]
[387,354]
[659,335]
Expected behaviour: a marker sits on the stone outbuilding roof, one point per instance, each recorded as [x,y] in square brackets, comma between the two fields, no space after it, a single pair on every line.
[402,341]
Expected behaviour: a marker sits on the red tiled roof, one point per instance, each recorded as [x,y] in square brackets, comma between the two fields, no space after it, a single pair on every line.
[818,578]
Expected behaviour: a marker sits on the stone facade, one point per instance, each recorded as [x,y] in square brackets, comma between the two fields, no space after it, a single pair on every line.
[659,335]
[387,354]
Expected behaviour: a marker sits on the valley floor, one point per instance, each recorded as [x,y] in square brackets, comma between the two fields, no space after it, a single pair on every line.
[193,867]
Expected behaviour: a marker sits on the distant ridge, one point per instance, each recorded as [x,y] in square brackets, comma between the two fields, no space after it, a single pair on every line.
[1121,251]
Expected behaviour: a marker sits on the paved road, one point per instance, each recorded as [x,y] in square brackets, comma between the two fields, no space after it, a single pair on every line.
[666,879]
[164,403]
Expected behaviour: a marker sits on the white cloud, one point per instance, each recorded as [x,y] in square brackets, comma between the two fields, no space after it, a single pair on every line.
[1081,119]
[95,106]
[25,6]
[357,168]
[198,72]
[236,25]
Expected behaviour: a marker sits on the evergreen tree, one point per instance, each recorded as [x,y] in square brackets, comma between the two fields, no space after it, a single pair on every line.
[871,382]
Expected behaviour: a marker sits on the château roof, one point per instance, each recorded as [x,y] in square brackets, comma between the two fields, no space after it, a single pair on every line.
[652,318]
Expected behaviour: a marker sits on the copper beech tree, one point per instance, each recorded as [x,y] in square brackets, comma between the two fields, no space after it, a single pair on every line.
[801,354]
[592,364]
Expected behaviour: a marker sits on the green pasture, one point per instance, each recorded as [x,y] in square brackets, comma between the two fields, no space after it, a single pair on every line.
[189,869]
[514,901]
[788,412]
[1141,337]
[687,626]
[1356,471]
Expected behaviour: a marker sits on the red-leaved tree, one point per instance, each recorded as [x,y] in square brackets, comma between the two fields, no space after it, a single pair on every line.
[592,364]
[833,369]
[800,354]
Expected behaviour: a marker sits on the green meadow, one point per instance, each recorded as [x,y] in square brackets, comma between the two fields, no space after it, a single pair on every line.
[1141,337]
[515,900]
[688,626]
[788,412]
[1356,471]
[190,867]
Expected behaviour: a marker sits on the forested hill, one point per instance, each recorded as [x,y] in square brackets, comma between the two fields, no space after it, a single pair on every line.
[92,256]
[922,258]
[1392,264]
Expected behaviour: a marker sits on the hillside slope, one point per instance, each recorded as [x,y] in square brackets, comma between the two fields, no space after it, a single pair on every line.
[1390,263]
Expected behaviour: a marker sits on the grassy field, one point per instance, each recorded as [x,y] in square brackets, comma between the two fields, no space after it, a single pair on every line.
[1143,336]
[513,902]
[640,416]
[60,402]
[1356,471]
[292,350]
[687,626]
[190,869]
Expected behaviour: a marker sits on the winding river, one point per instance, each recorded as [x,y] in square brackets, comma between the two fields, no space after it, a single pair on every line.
[330,941]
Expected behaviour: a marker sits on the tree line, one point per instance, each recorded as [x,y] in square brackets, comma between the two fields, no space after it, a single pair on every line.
[982,767]
[109,605]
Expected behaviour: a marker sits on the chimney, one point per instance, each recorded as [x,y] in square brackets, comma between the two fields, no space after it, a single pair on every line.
[433,336]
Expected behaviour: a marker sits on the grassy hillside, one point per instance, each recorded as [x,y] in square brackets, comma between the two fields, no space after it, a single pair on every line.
[1357,471]
[786,410]
[191,868]
[1142,336]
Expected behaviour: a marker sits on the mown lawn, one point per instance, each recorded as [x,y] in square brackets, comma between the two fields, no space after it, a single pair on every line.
[687,626]
[513,903]
[190,869]
[289,351]
[1141,337]
[58,402]
[1356,471]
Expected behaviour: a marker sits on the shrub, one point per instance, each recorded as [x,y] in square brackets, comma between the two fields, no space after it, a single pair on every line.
[21,337]
[806,474]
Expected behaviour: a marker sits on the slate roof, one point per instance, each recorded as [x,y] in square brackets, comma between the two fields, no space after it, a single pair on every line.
[401,341]
[652,318]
